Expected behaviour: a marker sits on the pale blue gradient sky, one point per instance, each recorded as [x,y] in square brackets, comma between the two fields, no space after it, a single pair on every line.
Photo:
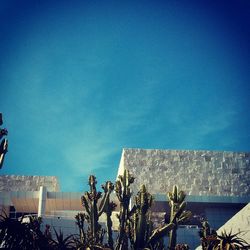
[81,80]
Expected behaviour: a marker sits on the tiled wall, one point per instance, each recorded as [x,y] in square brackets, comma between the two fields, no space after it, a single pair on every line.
[195,172]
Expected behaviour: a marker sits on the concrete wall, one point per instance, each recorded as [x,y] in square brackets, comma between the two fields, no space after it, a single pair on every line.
[195,172]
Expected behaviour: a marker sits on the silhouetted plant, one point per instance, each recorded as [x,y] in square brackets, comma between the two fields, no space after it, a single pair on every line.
[16,234]
[61,242]
[3,142]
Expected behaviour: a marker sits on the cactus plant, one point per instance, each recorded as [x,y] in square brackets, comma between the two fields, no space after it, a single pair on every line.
[80,219]
[135,223]
[93,211]
[208,236]
[108,207]
[123,192]
[141,222]
[177,214]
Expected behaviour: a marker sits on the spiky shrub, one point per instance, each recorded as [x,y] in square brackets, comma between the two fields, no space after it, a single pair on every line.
[229,241]
[62,243]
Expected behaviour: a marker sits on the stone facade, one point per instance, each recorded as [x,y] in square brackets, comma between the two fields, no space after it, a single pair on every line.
[195,172]
[28,183]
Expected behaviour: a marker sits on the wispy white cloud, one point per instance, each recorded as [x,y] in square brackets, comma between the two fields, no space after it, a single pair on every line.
[216,122]
[197,133]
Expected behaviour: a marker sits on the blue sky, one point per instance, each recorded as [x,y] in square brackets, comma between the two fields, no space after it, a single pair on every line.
[80,80]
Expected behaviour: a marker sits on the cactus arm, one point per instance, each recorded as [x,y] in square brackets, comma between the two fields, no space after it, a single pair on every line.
[186,215]
[109,231]
[178,213]
[103,204]
[124,194]
[85,204]
[160,232]
[108,187]
[141,231]
[80,217]
[107,207]
[181,196]
[132,211]
[175,193]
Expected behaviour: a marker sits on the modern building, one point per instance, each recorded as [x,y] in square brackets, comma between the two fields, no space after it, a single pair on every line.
[21,193]
[216,183]
[40,196]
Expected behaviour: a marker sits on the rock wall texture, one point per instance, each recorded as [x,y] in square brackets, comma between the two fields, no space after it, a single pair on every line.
[195,172]
[28,183]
